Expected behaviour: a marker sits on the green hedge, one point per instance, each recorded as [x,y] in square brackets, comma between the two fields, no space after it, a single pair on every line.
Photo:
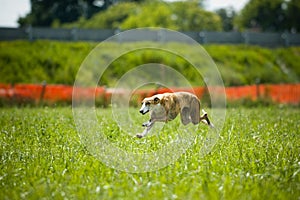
[58,62]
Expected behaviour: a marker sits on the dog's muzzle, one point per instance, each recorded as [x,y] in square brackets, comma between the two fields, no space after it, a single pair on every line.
[143,112]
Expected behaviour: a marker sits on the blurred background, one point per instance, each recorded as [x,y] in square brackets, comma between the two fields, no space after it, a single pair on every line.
[255,44]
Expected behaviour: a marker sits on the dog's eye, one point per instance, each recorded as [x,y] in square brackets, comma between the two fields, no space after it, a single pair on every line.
[147,103]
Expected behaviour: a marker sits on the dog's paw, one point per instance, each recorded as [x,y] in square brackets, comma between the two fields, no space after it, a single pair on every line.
[146,124]
[139,135]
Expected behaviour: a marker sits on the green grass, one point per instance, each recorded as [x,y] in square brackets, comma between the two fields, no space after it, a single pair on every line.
[58,62]
[257,156]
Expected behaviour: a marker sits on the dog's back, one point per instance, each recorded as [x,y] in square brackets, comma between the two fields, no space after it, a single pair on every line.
[189,107]
[186,99]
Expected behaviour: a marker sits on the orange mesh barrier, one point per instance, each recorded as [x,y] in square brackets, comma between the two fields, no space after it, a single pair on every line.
[281,93]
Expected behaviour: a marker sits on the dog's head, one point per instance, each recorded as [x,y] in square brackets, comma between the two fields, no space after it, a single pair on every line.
[149,103]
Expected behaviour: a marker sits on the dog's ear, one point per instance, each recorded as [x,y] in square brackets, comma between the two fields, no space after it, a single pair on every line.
[156,100]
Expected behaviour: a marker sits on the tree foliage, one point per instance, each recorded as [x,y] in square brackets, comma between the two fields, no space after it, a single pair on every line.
[191,17]
[108,19]
[270,15]
[227,15]
[187,16]
[47,12]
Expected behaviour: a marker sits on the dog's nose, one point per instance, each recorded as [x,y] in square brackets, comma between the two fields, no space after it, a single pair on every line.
[141,111]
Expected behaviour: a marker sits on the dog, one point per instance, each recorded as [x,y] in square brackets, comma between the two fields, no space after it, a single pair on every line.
[165,107]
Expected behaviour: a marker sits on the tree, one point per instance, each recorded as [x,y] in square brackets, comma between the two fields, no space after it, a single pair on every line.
[152,14]
[190,16]
[270,15]
[227,15]
[46,12]
[293,15]
[184,16]
[111,18]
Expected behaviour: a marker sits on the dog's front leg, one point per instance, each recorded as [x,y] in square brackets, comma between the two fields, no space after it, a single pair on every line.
[148,125]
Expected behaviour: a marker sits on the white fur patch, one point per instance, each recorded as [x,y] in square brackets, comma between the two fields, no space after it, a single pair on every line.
[144,108]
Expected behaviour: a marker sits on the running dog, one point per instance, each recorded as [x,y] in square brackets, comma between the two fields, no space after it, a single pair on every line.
[165,107]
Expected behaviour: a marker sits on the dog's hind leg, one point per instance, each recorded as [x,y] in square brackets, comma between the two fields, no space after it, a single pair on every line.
[185,115]
[195,111]
[204,119]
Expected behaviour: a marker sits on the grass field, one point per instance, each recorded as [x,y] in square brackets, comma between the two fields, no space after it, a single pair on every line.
[58,62]
[257,156]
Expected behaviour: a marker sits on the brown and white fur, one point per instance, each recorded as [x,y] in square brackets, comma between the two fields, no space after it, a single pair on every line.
[165,107]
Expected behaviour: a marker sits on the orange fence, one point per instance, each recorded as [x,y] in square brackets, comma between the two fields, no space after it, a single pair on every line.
[285,93]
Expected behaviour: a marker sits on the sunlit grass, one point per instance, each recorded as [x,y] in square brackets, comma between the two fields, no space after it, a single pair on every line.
[58,62]
[257,156]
